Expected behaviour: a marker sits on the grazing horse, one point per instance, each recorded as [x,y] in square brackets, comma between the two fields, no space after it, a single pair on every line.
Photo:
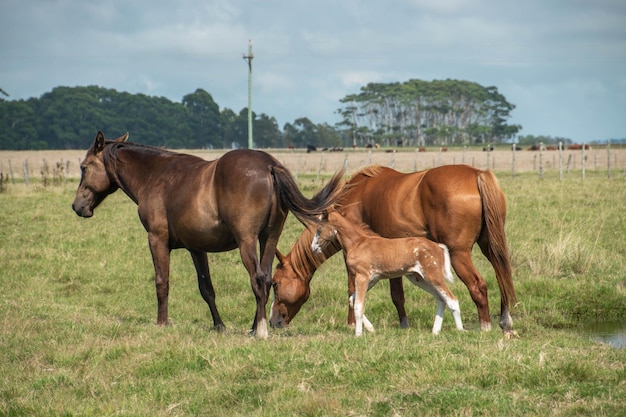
[456,205]
[370,258]
[203,206]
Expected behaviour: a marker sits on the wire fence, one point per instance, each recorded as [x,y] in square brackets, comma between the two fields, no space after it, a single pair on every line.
[56,167]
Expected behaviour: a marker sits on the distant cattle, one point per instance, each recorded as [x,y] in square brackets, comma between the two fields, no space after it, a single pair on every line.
[577,147]
[444,149]
[421,149]
[488,148]
[534,148]
[311,148]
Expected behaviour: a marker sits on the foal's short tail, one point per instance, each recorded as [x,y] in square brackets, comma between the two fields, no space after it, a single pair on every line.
[494,214]
[447,271]
[306,210]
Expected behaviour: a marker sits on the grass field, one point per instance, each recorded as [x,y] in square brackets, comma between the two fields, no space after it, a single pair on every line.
[78,307]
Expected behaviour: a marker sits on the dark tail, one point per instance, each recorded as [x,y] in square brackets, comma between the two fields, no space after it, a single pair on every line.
[494,213]
[306,210]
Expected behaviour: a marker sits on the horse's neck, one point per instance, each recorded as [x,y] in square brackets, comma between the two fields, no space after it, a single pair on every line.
[304,261]
[131,168]
[349,234]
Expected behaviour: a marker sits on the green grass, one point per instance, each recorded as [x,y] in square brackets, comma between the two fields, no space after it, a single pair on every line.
[78,307]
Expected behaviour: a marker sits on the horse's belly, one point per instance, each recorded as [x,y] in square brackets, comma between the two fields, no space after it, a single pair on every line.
[206,239]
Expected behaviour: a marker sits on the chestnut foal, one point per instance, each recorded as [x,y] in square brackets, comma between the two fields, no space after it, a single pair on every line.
[370,257]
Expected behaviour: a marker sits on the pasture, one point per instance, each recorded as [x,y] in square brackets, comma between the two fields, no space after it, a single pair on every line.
[78,313]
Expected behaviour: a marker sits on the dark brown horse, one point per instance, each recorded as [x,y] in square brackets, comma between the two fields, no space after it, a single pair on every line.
[204,206]
[456,205]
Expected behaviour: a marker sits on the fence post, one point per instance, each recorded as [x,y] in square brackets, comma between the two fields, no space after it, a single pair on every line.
[583,161]
[608,158]
[513,161]
[541,160]
[11,173]
[298,165]
[560,161]
[319,168]
[25,166]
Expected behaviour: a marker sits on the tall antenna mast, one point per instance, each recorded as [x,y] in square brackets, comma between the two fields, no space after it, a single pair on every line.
[249,58]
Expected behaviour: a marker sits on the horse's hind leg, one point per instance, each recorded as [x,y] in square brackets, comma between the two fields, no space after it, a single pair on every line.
[427,286]
[205,285]
[462,263]
[444,298]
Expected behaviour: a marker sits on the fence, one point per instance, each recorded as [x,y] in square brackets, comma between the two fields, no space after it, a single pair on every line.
[24,166]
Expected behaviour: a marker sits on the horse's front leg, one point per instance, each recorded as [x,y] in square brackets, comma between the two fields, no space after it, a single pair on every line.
[160,251]
[260,283]
[360,289]
[351,319]
[205,285]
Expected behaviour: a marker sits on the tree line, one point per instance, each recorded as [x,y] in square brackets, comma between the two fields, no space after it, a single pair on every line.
[68,117]
[416,112]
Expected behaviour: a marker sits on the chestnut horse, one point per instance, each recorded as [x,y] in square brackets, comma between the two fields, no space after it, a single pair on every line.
[203,206]
[456,205]
[370,258]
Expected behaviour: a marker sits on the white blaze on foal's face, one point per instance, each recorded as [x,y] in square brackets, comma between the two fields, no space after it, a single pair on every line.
[323,235]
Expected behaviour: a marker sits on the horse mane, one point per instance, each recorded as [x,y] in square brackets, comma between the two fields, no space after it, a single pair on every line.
[112,149]
[362,226]
[370,171]
[303,261]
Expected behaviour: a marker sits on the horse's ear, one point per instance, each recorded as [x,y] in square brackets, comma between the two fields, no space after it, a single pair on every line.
[122,138]
[98,143]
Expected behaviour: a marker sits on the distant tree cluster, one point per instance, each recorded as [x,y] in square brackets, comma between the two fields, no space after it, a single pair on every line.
[421,113]
[416,113]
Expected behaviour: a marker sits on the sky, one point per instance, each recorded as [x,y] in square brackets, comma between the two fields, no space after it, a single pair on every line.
[562,63]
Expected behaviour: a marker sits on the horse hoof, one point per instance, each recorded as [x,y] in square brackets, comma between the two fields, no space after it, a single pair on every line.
[404,323]
[511,334]
[220,328]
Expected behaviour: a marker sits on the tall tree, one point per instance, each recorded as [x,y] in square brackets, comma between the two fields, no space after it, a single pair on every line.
[205,121]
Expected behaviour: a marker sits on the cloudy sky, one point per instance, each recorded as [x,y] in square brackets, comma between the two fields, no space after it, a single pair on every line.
[561,62]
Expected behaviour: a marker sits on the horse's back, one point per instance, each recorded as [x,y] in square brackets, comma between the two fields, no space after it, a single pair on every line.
[441,203]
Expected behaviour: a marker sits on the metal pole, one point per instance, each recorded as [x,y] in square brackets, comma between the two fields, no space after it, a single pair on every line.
[249,58]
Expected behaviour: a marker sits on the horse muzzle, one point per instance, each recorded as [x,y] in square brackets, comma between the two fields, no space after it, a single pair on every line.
[82,210]
[276,319]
